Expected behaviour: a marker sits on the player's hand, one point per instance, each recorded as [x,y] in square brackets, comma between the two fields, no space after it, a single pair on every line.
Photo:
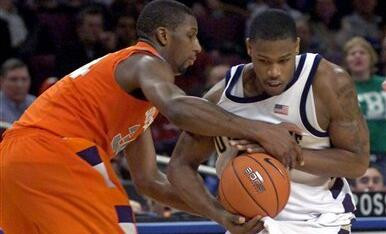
[276,140]
[246,145]
[237,224]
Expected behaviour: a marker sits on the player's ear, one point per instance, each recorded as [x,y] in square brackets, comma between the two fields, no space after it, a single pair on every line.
[161,35]
[297,45]
[248,45]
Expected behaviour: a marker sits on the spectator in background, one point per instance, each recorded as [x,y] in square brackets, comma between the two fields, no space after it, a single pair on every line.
[324,24]
[215,74]
[371,181]
[360,58]
[17,29]
[362,22]
[125,31]
[5,41]
[91,43]
[308,42]
[383,57]
[15,83]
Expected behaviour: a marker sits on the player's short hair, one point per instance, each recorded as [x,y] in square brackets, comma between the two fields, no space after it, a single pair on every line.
[11,64]
[161,13]
[272,24]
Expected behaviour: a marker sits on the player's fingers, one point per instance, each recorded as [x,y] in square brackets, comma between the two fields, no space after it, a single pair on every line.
[292,128]
[253,222]
[299,154]
[237,219]
[258,227]
[255,149]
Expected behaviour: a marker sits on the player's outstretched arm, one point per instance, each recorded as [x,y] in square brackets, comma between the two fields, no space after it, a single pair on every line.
[146,176]
[156,79]
[349,153]
[191,150]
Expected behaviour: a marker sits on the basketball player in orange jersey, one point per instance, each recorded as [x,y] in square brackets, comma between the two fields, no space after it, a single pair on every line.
[281,86]
[56,175]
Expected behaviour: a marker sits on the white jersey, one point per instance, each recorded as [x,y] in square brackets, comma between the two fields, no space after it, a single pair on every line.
[311,195]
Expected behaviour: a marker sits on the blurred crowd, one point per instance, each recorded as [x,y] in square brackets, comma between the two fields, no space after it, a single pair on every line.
[43,40]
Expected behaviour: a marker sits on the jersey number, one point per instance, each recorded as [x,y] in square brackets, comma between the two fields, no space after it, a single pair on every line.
[84,69]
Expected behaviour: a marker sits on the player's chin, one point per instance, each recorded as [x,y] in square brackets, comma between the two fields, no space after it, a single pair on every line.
[274,90]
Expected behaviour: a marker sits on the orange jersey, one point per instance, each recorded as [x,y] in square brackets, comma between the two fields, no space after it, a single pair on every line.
[88,103]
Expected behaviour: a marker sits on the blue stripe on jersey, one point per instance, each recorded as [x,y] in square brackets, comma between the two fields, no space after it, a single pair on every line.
[227,77]
[262,96]
[347,204]
[303,100]
[124,213]
[337,187]
[298,71]
[90,155]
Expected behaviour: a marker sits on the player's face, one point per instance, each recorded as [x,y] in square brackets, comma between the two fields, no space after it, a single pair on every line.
[184,45]
[358,60]
[273,62]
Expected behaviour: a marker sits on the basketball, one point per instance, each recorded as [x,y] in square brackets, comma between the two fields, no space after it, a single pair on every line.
[254,184]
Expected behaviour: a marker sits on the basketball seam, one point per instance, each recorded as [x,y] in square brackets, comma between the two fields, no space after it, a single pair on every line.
[246,190]
[273,184]
[226,200]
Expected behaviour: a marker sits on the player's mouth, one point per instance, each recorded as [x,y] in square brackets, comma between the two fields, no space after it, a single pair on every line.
[273,87]
[273,83]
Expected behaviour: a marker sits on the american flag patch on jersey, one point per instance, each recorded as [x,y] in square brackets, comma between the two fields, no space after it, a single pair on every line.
[281,109]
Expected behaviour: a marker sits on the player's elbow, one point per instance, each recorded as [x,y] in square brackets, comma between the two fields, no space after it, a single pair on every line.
[361,168]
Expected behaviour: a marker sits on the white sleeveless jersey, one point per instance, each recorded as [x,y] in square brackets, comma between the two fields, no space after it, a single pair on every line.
[311,195]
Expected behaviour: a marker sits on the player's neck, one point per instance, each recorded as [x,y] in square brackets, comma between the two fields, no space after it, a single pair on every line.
[251,84]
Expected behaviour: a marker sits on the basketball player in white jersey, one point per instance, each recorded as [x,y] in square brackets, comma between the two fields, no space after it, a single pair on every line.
[280,86]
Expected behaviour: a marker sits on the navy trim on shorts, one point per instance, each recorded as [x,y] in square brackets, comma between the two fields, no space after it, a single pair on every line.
[342,231]
[90,155]
[347,204]
[337,187]
[124,213]
[262,96]
[303,100]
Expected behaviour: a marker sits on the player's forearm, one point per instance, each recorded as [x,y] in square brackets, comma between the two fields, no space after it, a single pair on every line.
[191,189]
[161,190]
[334,163]
[199,116]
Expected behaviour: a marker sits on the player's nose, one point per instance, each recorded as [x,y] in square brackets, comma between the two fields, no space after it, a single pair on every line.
[197,46]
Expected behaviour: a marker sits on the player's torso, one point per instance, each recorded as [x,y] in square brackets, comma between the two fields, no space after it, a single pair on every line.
[89,103]
[295,105]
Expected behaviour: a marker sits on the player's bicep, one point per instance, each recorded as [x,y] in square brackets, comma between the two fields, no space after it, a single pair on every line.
[192,149]
[348,129]
[156,80]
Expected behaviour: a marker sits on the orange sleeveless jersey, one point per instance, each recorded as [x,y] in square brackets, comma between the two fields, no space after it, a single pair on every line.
[88,103]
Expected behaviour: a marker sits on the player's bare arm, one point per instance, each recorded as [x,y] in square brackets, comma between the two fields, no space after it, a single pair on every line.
[191,150]
[147,178]
[155,78]
[338,111]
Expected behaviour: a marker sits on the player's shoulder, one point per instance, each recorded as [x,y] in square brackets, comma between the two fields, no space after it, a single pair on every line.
[215,93]
[331,77]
